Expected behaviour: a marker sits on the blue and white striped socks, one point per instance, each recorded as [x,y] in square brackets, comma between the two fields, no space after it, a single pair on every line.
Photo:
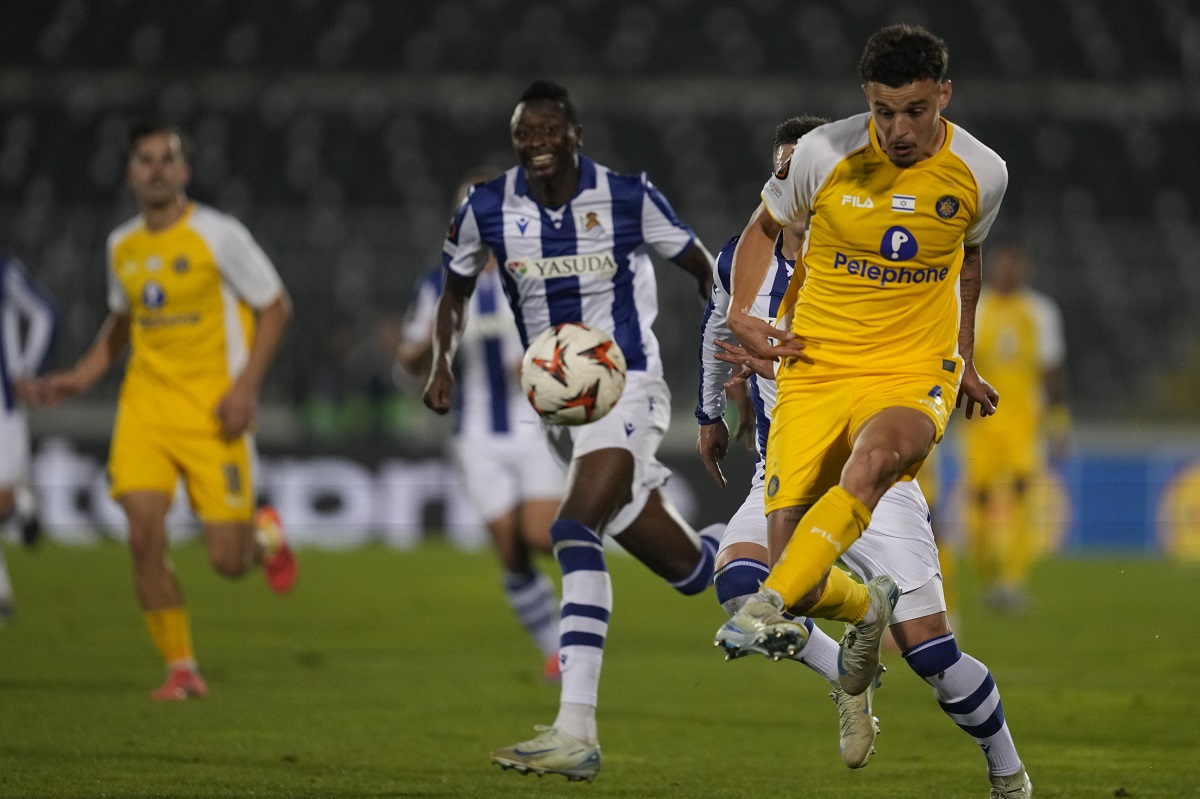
[586,604]
[702,575]
[531,596]
[968,695]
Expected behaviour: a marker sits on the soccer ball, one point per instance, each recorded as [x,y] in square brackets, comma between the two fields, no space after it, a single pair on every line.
[573,374]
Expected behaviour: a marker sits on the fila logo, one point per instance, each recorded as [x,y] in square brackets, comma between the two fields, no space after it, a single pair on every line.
[856,201]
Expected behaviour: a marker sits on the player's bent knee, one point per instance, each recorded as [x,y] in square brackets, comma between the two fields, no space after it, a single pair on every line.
[228,562]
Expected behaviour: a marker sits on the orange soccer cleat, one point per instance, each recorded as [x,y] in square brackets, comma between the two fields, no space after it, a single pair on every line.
[182,683]
[279,562]
[551,670]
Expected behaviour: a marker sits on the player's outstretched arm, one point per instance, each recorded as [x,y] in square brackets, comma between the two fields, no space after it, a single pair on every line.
[108,346]
[751,261]
[447,333]
[973,389]
[697,261]
[236,410]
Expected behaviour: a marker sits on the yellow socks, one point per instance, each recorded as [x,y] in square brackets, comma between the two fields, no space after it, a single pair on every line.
[172,634]
[1020,544]
[842,600]
[825,532]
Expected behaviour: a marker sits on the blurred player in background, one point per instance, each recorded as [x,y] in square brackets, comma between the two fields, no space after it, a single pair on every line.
[1019,342]
[28,322]
[186,283]
[899,540]
[534,219]
[511,474]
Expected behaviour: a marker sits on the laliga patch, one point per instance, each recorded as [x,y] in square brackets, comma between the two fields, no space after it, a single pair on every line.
[947,206]
[782,172]
[898,244]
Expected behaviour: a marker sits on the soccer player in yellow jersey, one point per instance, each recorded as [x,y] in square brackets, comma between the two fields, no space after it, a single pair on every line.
[881,339]
[186,284]
[1019,342]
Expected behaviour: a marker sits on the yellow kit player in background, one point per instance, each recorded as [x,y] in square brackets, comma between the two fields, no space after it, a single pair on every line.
[185,285]
[1019,342]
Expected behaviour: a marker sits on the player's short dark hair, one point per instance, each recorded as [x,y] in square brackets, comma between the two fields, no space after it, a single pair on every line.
[148,127]
[792,129]
[900,54]
[551,92]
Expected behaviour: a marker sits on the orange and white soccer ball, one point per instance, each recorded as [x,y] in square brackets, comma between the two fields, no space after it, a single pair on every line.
[573,374]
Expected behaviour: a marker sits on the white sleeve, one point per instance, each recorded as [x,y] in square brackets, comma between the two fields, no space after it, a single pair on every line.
[715,373]
[789,192]
[464,252]
[418,322]
[991,177]
[118,300]
[243,263]
[1052,344]
[661,228]
[29,300]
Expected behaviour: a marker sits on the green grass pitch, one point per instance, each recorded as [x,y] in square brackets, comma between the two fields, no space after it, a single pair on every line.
[391,674]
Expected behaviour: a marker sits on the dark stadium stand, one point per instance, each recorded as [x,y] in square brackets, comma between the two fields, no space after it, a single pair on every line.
[337,130]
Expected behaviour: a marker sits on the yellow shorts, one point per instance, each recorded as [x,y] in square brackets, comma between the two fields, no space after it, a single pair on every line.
[817,414]
[217,473]
[999,450]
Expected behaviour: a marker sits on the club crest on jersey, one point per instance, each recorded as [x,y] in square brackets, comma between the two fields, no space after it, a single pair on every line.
[180,264]
[947,206]
[773,486]
[153,296]
[591,224]
[898,244]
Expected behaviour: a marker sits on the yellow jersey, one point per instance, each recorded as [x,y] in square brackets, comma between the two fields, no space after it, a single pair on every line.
[885,243]
[190,292]
[1018,337]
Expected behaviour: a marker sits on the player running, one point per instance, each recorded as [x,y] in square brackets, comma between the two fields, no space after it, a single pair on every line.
[185,285]
[536,218]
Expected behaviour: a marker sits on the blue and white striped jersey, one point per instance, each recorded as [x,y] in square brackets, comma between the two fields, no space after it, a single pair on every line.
[714,373]
[22,301]
[488,399]
[587,261]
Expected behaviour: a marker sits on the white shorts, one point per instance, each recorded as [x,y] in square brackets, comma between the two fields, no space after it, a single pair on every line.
[500,472]
[14,448]
[898,542]
[637,423]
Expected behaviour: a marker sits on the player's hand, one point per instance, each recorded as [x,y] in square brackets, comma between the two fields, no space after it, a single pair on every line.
[439,390]
[236,411]
[974,389]
[737,355]
[50,390]
[712,444]
[755,335]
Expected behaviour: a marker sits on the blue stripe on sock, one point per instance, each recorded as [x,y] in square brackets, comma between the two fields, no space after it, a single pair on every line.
[933,657]
[702,575]
[988,728]
[581,639]
[969,705]
[587,611]
[570,530]
[739,578]
[579,558]
[515,582]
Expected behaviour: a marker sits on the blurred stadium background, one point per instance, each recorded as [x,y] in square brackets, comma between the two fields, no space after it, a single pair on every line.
[337,131]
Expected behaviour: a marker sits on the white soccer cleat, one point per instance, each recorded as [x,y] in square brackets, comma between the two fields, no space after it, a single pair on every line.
[858,655]
[1012,786]
[552,751]
[760,626]
[857,725]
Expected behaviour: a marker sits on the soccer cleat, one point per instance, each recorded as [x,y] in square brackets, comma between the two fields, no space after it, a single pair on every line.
[858,655]
[279,562]
[857,725]
[760,626]
[551,670]
[1011,786]
[552,751]
[182,683]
